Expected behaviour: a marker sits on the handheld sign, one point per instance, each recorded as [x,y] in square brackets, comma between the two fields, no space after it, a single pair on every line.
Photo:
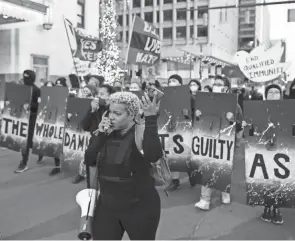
[213,140]
[269,151]
[75,139]
[175,127]
[49,129]
[145,45]
[263,63]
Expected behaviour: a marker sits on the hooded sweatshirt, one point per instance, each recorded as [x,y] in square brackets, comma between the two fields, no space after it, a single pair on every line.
[29,80]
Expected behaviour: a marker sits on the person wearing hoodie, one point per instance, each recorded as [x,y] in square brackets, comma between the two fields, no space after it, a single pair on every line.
[92,119]
[221,85]
[29,79]
[174,80]
[60,82]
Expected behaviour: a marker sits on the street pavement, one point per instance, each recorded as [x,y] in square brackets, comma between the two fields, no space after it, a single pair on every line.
[35,206]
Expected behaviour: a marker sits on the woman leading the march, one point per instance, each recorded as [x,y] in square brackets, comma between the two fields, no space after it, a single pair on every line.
[128,200]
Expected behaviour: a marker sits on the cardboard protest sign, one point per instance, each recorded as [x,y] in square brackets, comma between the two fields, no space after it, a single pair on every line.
[213,140]
[75,139]
[15,117]
[175,126]
[269,151]
[263,63]
[49,128]
[145,45]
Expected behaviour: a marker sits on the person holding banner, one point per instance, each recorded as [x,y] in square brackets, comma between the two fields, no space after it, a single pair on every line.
[92,120]
[221,85]
[29,79]
[128,199]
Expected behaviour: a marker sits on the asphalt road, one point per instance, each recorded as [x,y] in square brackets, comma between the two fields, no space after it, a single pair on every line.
[35,206]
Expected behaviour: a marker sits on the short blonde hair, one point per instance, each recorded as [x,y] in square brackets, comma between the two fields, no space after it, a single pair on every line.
[129,99]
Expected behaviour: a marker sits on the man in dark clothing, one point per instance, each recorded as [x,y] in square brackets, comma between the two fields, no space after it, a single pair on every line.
[92,119]
[29,78]
[292,90]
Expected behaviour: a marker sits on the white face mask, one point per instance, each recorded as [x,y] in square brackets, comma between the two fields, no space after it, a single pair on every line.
[217,89]
[194,88]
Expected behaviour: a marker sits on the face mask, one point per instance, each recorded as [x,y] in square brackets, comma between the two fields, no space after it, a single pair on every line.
[218,89]
[174,84]
[102,102]
[194,88]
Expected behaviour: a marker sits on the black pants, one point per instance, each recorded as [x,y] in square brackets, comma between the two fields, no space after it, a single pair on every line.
[25,158]
[140,220]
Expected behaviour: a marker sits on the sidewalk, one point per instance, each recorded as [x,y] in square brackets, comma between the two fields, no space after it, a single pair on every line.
[34,206]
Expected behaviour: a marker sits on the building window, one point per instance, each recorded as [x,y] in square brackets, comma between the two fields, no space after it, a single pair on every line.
[81,14]
[120,36]
[127,36]
[202,31]
[192,13]
[120,20]
[291,15]
[136,4]
[148,17]
[158,17]
[148,3]
[247,42]
[127,20]
[181,32]
[168,15]
[138,15]
[181,14]
[168,1]
[202,11]
[191,32]
[179,1]
[40,66]
[167,33]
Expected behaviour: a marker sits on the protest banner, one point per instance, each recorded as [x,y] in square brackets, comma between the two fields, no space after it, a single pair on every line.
[213,139]
[175,128]
[15,117]
[75,140]
[263,63]
[269,151]
[84,48]
[49,128]
[145,44]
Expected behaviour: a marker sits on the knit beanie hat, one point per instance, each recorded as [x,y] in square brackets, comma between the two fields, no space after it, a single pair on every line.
[177,77]
[271,87]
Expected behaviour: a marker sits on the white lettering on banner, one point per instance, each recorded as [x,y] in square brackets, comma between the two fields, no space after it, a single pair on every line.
[88,44]
[149,29]
[146,58]
[153,45]
[262,64]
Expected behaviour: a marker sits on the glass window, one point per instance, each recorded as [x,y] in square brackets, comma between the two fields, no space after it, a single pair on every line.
[148,3]
[179,1]
[191,32]
[80,14]
[291,15]
[181,14]
[136,3]
[148,17]
[167,33]
[40,66]
[202,11]
[120,36]
[181,32]
[158,17]
[120,20]
[202,31]
[127,36]
[127,19]
[192,13]
[168,1]
[168,15]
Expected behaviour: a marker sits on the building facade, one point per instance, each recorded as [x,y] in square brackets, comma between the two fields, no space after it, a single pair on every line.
[39,41]
[196,42]
[254,25]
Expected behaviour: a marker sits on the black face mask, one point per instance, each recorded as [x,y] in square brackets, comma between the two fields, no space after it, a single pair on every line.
[102,102]
[27,80]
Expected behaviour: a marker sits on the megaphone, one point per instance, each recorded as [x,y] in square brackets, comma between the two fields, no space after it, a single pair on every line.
[86,199]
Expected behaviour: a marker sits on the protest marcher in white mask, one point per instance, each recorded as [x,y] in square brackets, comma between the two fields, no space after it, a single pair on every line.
[221,85]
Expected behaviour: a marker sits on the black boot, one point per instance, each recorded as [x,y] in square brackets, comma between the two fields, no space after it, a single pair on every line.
[277,217]
[266,215]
